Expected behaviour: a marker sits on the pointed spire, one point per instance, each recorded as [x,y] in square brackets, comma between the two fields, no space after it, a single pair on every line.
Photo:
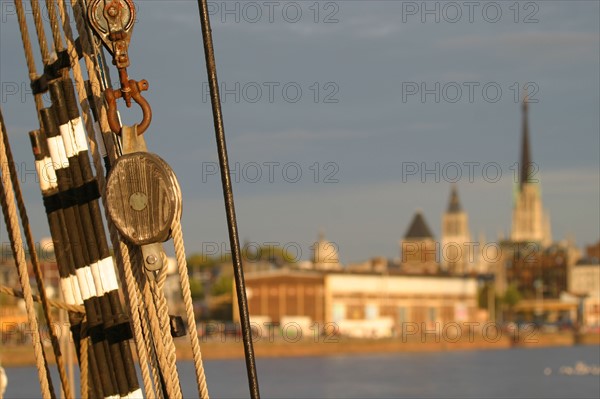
[454,204]
[525,175]
[321,236]
[418,228]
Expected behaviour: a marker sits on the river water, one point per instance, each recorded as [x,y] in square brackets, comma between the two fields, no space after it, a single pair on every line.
[511,373]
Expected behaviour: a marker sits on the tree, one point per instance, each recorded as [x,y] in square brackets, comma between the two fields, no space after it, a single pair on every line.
[269,253]
[222,286]
[482,296]
[200,262]
[197,289]
[511,298]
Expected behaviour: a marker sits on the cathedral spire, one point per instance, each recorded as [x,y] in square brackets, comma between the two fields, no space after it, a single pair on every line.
[525,173]
[530,221]
[454,204]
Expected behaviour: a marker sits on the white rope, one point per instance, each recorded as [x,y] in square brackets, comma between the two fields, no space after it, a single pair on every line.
[189,308]
[12,226]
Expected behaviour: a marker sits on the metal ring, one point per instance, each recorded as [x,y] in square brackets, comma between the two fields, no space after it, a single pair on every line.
[136,89]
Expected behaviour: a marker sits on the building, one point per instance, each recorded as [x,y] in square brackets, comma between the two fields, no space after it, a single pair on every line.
[520,257]
[8,274]
[377,264]
[325,255]
[284,292]
[456,238]
[530,221]
[361,304]
[593,251]
[538,272]
[541,276]
[418,248]
[584,282]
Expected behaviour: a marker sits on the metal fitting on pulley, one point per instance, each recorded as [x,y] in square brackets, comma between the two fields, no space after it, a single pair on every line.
[112,21]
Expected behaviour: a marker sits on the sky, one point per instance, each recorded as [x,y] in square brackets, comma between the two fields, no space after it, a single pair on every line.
[348,116]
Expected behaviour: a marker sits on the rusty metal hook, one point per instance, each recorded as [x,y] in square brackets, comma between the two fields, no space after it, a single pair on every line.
[135,90]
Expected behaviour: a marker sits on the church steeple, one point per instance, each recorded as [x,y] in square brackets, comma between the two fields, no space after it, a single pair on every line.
[418,248]
[525,175]
[530,220]
[455,236]
[454,204]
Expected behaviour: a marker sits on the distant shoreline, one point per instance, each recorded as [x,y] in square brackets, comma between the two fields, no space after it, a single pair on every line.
[232,348]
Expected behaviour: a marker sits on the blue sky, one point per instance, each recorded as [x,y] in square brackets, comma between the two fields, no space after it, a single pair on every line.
[326,87]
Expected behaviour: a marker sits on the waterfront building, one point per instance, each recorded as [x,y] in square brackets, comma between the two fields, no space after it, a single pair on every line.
[584,282]
[362,304]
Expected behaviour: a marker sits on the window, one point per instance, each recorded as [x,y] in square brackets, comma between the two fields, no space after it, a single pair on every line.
[339,312]
[402,316]
[371,311]
[432,314]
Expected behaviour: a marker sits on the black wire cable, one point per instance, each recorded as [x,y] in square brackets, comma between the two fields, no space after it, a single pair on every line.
[211,69]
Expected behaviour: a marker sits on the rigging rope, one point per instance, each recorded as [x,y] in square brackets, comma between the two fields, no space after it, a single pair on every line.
[162,311]
[120,355]
[39,29]
[189,308]
[21,206]
[96,85]
[54,28]
[36,265]
[166,357]
[96,144]
[28,55]
[84,367]
[135,302]
[52,302]
[39,105]
[9,210]
[97,245]
[147,305]
[132,296]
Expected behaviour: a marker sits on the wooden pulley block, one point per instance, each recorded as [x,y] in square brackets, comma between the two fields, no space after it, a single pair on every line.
[143,197]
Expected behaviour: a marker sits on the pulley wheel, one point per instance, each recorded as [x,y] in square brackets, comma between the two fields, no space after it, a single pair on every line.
[143,197]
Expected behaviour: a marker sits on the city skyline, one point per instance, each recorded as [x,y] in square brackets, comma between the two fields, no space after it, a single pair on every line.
[359,127]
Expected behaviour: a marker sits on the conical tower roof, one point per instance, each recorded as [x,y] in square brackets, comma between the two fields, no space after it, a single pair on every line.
[418,228]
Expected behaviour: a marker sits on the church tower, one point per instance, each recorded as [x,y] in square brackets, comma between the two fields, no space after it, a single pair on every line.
[325,254]
[530,222]
[455,251]
[418,248]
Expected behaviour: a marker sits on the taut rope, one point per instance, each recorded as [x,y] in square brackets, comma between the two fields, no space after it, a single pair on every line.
[9,209]
[88,280]
[52,302]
